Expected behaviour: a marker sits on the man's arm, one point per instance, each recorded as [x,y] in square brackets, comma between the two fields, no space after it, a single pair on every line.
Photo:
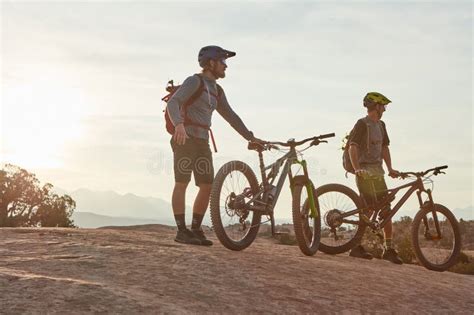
[386,157]
[355,141]
[354,156]
[224,109]
[388,161]
[386,152]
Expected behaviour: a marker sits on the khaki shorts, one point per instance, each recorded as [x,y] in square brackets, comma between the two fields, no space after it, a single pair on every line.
[193,157]
[372,190]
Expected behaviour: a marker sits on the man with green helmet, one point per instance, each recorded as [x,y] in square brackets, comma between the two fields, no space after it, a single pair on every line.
[368,149]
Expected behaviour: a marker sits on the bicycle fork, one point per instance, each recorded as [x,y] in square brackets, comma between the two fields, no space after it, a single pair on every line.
[314,213]
[427,205]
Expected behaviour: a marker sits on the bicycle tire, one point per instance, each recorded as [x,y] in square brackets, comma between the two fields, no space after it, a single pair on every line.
[354,198]
[215,206]
[418,220]
[308,240]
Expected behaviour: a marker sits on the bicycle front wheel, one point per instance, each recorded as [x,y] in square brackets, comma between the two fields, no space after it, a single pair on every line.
[307,227]
[339,233]
[436,237]
[235,184]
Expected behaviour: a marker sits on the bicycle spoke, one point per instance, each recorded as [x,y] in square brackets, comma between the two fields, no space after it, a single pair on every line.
[333,204]
[234,184]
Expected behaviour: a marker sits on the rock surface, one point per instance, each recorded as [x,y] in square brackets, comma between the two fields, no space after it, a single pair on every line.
[142,270]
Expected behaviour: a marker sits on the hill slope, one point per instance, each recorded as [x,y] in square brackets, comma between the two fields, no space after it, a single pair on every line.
[141,269]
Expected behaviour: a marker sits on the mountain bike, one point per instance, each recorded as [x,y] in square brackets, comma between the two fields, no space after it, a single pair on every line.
[238,201]
[435,231]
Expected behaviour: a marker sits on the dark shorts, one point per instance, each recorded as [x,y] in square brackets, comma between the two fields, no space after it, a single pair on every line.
[372,190]
[194,157]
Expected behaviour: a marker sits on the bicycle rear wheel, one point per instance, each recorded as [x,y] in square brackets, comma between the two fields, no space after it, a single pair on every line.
[235,184]
[436,251]
[307,228]
[339,234]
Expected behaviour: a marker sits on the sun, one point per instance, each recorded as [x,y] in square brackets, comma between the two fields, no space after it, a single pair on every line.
[41,116]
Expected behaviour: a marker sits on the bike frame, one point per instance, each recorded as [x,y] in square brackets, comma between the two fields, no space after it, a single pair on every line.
[261,199]
[415,186]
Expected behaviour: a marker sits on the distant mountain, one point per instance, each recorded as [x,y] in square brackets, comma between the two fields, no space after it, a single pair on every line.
[130,209]
[92,220]
[112,204]
[107,208]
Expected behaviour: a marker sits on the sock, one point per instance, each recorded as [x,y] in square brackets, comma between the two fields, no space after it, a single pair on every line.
[388,243]
[197,220]
[180,221]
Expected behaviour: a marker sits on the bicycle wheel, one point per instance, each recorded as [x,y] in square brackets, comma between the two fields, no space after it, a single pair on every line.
[234,185]
[339,234]
[436,251]
[307,228]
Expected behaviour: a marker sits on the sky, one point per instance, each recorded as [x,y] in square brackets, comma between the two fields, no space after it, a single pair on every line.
[81,83]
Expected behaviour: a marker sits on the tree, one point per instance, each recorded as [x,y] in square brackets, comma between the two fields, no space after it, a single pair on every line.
[55,211]
[23,202]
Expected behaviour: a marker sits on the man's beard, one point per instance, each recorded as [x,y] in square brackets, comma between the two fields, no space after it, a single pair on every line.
[218,75]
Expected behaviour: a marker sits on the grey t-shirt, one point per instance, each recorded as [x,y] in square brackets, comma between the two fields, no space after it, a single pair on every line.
[370,136]
[201,110]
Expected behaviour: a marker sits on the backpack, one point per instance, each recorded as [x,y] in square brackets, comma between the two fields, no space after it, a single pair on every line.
[346,159]
[171,89]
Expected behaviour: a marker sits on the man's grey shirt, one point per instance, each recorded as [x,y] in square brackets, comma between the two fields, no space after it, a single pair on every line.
[200,111]
[370,136]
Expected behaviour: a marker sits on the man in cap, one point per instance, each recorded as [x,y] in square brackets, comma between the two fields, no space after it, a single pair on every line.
[190,142]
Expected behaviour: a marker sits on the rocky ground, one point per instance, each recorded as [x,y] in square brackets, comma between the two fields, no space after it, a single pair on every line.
[142,270]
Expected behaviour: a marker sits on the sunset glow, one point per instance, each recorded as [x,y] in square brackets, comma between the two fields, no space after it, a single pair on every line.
[41,115]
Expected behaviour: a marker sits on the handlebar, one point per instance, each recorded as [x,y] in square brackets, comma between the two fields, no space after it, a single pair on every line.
[328,135]
[290,143]
[435,170]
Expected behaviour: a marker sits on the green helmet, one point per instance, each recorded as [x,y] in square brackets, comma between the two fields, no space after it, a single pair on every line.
[375,97]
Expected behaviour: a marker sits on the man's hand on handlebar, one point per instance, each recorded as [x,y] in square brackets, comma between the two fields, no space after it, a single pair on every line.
[259,144]
[257,140]
[435,170]
[393,173]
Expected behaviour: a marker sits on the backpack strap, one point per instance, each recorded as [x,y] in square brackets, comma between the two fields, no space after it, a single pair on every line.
[220,91]
[191,100]
[193,97]
[368,136]
[381,125]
